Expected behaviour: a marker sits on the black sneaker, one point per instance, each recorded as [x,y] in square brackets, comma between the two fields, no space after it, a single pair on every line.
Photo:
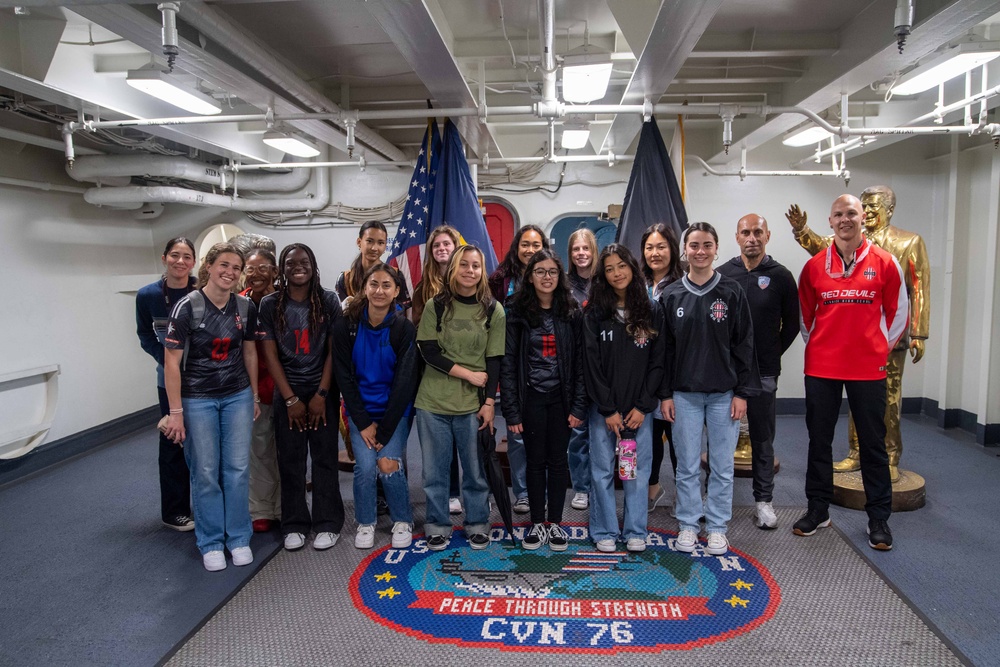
[536,537]
[558,539]
[181,522]
[812,520]
[381,507]
[879,535]
[479,541]
[437,542]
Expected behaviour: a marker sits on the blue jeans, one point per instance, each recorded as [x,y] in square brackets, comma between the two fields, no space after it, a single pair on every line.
[604,469]
[438,433]
[366,472]
[579,458]
[517,458]
[217,448]
[693,411]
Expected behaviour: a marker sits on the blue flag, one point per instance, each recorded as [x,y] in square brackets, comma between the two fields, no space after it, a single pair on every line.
[408,248]
[652,195]
[455,201]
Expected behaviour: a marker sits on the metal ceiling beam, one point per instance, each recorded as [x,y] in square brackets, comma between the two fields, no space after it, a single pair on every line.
[145,32]
[867,53]
[677,27]
[424,41]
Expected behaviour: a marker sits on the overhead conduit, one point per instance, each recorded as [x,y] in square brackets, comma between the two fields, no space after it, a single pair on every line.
[115,170]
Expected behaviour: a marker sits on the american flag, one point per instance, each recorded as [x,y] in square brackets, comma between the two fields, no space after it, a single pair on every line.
[409,246]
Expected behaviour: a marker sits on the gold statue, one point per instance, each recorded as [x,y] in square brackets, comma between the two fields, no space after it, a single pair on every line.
[908,248]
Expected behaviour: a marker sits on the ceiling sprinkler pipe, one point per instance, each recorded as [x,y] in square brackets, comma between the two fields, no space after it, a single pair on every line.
[903,21]
[170,50]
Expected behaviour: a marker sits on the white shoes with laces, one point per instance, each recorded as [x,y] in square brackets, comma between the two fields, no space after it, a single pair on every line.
[242,556]
[365,539]
[402,535]
[214,561]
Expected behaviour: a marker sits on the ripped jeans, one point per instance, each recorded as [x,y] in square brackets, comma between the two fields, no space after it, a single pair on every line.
[366,471]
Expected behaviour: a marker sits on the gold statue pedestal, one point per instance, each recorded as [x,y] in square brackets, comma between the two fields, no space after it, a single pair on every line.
[907,492]
[743,457]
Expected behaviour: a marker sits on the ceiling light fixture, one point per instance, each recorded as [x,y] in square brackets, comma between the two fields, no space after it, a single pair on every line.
[163,86]
[806,136]
[947,66]
[586,72]
[575,135]
[291,144]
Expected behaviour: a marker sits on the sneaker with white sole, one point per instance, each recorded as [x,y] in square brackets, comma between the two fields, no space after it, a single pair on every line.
[607,545]
[294,541]
[325,540]
[686,541]
[437,542]
[214,561]
[581,501]
[181,522]
[365,539]
[635,544]
[455,506]
[242,556]
[402,535]
[479,541]
[765,518]
[536,537]
[558,539]
[521,505]
[717,544]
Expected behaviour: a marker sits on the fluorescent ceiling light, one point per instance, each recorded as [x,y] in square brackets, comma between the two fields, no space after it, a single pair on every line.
[806,136]
[586,72]
[954,62]
[575,135]
[161,85]
[289,144]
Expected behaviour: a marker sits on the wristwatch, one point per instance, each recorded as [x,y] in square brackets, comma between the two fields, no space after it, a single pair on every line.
[322,393]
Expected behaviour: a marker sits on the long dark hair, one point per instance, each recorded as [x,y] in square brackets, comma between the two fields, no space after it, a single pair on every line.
[603,301]
[356,308]
[674,270]
[525,299]
[357,272]
[316,308]
[179,239]
[511,266]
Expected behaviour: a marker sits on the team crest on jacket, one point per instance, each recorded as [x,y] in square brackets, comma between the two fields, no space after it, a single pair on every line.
[869,273]
[719,310]
[578,601]
[763,281]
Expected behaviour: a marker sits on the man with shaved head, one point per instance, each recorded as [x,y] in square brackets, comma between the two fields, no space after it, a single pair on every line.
[774,310]
[854,310]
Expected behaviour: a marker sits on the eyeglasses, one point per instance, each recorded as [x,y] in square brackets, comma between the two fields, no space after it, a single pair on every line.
[263,268]
[541,273]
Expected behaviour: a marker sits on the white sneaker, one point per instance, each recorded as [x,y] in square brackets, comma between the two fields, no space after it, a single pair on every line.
[214,561]
[455,506]
[717,544]
[325,540]
[635,544]
[402,535]
[295,541]
[607,545]
[365,539]
[242,556]
[581,501]
[521,505]
[686,541]
[766,518]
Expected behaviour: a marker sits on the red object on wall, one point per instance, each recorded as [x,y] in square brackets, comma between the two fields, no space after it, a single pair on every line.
[500,226]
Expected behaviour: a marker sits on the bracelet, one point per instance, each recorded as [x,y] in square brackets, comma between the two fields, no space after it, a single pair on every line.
[256,398]
[289,402]
[176,411]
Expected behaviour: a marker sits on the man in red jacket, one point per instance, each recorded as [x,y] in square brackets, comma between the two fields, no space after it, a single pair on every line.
[853,308]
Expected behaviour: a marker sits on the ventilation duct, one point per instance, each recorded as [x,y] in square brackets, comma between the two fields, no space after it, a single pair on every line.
[101,168]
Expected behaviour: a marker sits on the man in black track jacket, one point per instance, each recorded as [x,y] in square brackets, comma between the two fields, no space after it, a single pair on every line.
[774,309]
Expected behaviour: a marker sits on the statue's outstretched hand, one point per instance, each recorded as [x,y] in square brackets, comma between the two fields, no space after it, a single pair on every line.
[797,217]
[916,349]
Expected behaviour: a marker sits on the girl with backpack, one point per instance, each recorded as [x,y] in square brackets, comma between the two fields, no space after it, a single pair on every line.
[461,338]
[542,387]
[375,359]
[210,368]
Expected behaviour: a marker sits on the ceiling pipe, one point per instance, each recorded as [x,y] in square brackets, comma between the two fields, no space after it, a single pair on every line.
[100,168]
[744,172]
[229,34]
[132,195]
[548,106]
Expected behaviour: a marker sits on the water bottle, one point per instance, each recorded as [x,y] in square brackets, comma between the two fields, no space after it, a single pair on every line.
[626,455]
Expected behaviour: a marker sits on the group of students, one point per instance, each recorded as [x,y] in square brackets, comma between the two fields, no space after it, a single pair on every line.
[615,349]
